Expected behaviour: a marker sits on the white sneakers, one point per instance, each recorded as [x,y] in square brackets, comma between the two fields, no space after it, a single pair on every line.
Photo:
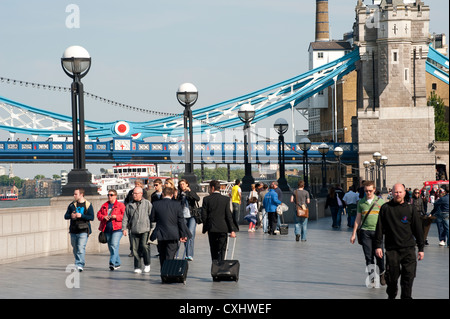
[139,271]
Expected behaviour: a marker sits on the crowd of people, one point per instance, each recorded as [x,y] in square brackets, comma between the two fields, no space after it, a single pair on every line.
[388,231]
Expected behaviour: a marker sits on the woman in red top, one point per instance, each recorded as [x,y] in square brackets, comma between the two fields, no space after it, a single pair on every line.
[110,216]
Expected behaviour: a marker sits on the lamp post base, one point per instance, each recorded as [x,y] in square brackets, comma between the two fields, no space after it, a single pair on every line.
[246,185]
[282,184]
[79,178]
[192,180]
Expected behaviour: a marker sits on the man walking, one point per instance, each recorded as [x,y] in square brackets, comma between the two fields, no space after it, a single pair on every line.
[217,221]
[367,216]
[236,196]
[400,223]
[137,220]
[271,203]
[170,225]
[80,212]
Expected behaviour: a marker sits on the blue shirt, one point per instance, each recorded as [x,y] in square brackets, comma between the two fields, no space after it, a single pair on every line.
[271,201]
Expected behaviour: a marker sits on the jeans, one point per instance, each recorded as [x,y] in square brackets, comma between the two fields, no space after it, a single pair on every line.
[301,224]
[79,242]
[113,240]
[189,245]
[236,213]
[368,245]
[442,225]
[265,223]
[336,212]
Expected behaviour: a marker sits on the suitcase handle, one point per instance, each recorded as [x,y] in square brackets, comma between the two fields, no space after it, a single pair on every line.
[234,246]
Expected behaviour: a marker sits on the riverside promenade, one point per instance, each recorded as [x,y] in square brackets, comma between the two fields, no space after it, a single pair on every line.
[326,266]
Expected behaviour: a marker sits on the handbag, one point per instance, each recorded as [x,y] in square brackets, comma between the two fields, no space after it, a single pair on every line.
[282,208]
[102,238]
[196,212]
[302,211]
[358,231]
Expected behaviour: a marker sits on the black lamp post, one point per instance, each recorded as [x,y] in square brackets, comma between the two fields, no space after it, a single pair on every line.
[305,145]
[323,149]
[76,63]
[247,113]
[187,95]
[338,151]
[281,126]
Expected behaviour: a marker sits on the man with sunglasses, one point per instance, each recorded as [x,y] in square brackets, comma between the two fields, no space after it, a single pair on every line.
[367,216]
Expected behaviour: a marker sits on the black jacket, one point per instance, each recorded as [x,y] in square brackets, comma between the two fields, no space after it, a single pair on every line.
[170,223]
[216,214]
[401,225]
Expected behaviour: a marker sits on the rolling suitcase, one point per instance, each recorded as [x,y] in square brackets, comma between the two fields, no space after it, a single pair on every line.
[174,270]
[284,228]
[226,270]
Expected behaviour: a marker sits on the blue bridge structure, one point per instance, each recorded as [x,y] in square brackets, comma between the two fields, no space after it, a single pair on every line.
[122,141]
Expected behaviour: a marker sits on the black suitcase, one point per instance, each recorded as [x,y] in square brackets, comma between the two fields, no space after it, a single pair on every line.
[226,270]
[284,228]
[174,271]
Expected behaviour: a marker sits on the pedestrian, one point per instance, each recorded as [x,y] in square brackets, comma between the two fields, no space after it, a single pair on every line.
[271,203]
[262,210]
[440,211]
[301,199]
[280,198]
[253,193]
[170,225]
[80,212]
[217,221]
[400,224]
[351,199]
[236,195]
[366,218]
[336,207]
[426,219]
[136,221]
[170,183]
[252,209]
[188,199]
[110,216]
[157,194]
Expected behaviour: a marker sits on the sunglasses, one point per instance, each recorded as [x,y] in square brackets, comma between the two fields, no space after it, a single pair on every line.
[111,195]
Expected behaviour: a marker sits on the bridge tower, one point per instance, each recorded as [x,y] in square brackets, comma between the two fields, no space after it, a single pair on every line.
[392,116]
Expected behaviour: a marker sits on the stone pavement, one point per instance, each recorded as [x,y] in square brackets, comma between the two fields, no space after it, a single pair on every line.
[327,266]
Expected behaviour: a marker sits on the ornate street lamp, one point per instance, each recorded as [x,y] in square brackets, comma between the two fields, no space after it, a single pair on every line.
[377,157]
[383,162]
[372,169]
[281,126]
[305,146]
[187,95]
[76,63]
[246,114]
[367,168]
[338,151]
[323,149]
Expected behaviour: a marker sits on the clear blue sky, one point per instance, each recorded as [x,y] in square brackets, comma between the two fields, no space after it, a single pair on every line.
[142,50]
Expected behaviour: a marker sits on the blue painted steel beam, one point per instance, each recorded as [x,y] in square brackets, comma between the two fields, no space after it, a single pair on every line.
[129,151]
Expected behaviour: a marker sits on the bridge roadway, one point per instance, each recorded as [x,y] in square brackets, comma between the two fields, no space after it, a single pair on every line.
[326,266]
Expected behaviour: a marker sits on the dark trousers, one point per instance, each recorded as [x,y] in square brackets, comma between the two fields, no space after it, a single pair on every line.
[400,262]
[368,246]
[273,220]
[218,245]
[140,246]
[167,250]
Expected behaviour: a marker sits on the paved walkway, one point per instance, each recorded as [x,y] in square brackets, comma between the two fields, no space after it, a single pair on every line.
[327,266]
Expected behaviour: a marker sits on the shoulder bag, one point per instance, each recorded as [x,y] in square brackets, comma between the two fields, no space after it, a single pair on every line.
[302,210]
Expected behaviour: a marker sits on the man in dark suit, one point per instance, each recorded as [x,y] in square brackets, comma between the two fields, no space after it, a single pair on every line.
[170,225]
[217,221]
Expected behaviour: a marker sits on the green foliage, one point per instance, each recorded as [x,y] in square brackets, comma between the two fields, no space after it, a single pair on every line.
[219,173]
[440,122]
[6,181]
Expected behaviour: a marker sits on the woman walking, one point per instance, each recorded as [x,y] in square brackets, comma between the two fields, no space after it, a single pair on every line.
[110,216]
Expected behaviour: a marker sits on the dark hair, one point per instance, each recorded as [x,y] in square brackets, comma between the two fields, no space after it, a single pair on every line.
[237,182]
[168,191]
[80,190]
[215,184]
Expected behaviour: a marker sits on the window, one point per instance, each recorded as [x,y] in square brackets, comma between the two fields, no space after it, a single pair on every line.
[406,75]
[434,86]
[320,55]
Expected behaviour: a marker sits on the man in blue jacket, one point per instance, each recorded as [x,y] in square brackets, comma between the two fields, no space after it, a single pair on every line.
[441,211]
[271,203]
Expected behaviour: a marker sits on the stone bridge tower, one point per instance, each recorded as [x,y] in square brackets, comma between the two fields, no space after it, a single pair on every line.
[392,116]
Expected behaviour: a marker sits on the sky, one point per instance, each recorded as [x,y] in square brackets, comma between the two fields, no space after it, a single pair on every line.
[143,50]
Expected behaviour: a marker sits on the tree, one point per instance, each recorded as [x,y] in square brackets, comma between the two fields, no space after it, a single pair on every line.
[39,176]
[441,123]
